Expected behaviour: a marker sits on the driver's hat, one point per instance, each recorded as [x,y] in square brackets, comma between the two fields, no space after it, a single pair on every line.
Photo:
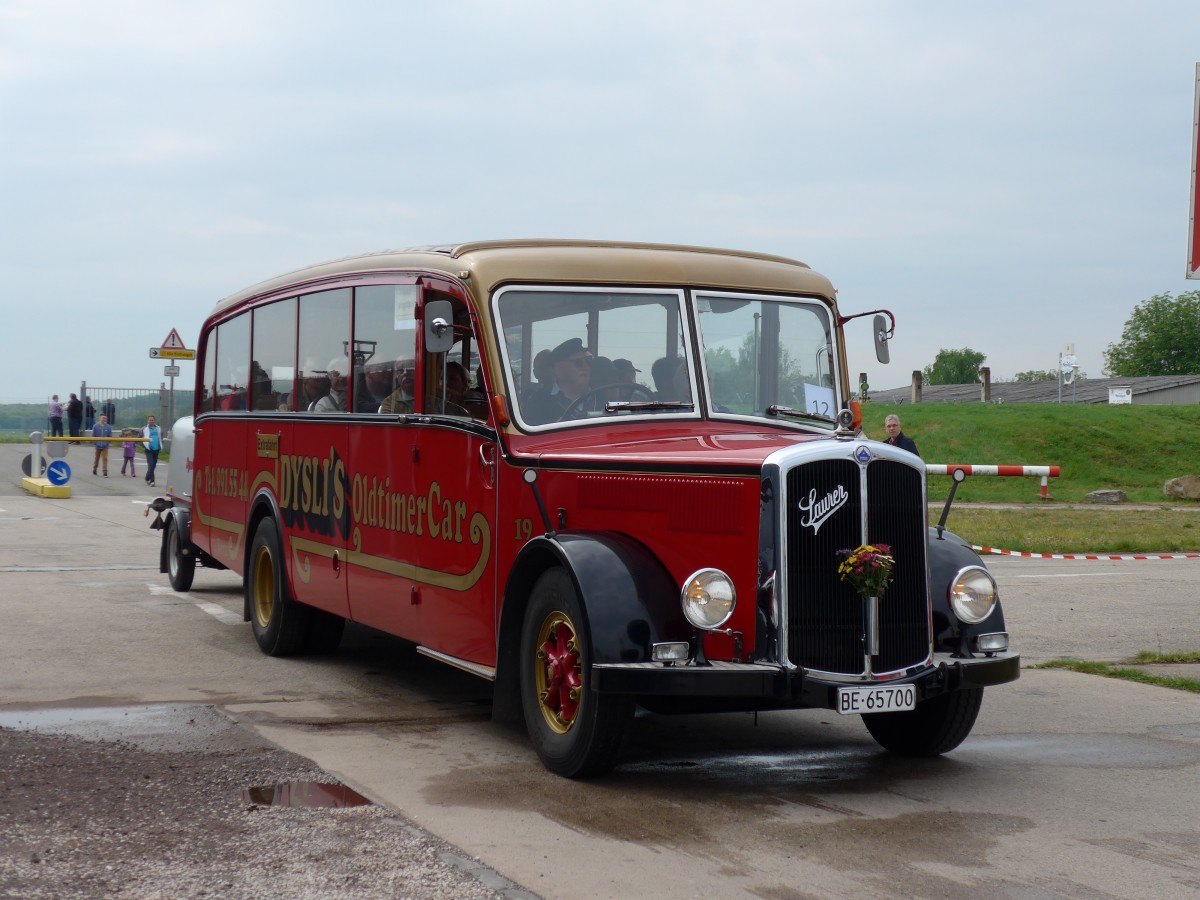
[567,349]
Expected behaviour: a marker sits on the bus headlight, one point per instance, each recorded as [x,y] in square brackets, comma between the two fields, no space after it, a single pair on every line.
[973,594]
[708,598]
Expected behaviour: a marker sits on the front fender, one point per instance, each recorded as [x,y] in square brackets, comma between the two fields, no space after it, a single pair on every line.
[947,556]
[629,597]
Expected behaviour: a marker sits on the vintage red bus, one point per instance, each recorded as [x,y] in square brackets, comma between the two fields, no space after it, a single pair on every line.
[598,475]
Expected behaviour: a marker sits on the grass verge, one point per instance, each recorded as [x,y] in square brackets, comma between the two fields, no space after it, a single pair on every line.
[1033,529]
[1123,671]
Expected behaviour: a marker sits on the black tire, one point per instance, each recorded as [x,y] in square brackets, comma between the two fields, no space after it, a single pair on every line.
[324,632]
[935,727]
[575,731]
[180,569]
[279,623]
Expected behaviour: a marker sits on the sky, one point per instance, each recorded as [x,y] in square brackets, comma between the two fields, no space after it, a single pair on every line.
[1007,177]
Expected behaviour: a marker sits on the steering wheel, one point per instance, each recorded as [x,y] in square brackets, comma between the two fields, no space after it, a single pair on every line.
[624,390]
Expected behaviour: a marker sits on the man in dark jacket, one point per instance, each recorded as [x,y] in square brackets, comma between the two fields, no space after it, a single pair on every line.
[898,438]
[74,416]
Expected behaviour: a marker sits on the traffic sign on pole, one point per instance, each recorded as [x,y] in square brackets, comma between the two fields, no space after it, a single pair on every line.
[172,348]
[166,353]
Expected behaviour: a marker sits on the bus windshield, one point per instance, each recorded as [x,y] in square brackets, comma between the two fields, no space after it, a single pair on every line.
[579,354]
[764,357]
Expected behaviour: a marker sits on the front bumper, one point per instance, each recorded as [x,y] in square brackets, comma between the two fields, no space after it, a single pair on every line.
[758,682]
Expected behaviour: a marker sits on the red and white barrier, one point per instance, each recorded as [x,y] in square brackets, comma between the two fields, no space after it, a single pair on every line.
[1044,472]
[1024,555]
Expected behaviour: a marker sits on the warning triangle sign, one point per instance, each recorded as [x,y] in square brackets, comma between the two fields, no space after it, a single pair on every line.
[173,341]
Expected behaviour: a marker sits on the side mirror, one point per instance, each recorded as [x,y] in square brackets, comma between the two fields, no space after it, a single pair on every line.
[439,326]
[881,339]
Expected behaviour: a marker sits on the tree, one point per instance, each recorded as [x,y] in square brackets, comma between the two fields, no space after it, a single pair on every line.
[954,367]
[1161,337]
[1034,375]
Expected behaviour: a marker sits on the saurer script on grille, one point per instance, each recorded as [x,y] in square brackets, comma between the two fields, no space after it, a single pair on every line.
[817,512]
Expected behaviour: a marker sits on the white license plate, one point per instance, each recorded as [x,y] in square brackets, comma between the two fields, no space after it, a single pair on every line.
[857,700]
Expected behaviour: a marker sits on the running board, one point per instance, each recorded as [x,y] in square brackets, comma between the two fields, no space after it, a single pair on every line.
[487,672]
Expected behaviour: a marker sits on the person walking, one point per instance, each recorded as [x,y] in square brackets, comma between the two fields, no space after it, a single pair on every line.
[898,438]
[153,434]
[74,417]
[101,430]
[130,448]
[56,417]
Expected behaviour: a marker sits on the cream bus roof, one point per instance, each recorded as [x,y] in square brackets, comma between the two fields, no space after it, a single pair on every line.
[486,264]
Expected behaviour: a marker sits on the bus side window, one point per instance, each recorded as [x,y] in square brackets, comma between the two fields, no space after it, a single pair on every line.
[272,365]
[384,346]
[233,364]
[323,345]
[205,401]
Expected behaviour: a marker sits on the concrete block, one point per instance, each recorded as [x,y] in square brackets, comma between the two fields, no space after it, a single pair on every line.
[41,487]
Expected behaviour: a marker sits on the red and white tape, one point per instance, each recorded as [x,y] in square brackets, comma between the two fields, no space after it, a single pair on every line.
[993,550]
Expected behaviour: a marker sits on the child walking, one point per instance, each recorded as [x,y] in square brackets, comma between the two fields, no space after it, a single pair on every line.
[130,452]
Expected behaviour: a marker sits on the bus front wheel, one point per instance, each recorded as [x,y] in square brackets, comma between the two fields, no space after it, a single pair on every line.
[935,727]
[575,731]
[279,623]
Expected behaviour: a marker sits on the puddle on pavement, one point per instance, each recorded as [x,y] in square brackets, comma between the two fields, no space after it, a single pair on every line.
[304,794]
[1081,750]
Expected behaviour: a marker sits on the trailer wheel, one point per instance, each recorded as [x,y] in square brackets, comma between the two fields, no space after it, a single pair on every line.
[180,569]
[575,731]
[278,621]
[935,727]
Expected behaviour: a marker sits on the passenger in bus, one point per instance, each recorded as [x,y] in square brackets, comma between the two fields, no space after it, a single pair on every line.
[401,399]
[313,385]
[604,375]
[334,401]
[627,373]
[376,386]
[261,389]
[670,374]
[571,365]
[543,376]
[543,370]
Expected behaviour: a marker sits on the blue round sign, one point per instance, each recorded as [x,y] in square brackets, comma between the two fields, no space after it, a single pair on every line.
[58,472]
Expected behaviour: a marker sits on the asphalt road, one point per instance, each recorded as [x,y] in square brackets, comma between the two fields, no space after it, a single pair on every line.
[1070,785]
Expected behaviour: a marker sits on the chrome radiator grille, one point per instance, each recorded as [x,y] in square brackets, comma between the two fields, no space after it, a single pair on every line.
[825,615]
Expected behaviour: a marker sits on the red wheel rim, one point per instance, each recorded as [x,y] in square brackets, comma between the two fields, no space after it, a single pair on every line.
[559,672]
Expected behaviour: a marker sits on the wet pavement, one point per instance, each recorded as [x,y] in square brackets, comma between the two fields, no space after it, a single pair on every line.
[1070,785]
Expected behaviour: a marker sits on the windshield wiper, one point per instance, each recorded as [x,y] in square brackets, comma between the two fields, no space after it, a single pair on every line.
[797,414]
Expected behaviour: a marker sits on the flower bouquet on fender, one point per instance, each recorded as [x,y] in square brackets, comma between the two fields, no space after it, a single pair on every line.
[868,568]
